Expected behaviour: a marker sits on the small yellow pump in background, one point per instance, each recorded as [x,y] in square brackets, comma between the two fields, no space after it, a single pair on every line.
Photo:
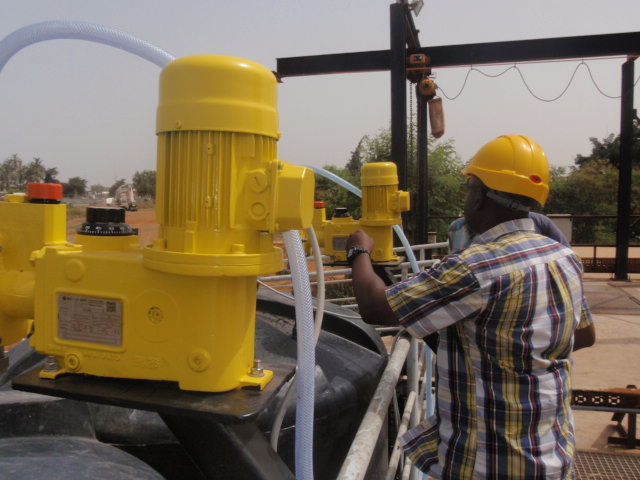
[382,205]
[182,309]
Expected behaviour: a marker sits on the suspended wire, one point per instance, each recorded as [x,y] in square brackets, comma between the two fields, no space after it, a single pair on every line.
[524,81]
[573,75]
[464,84]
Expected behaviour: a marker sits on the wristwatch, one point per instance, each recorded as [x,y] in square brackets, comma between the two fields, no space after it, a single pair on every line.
[354,251]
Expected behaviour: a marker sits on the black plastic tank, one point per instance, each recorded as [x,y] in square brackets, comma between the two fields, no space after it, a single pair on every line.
[350,358]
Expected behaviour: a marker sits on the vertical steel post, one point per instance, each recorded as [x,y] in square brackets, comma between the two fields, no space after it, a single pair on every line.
[421,208]
[398,31]
[624,171]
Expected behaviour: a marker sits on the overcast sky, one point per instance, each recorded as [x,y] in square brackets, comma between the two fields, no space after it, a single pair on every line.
[89,109]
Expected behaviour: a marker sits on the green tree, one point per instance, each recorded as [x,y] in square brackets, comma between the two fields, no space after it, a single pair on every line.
[145,183]
[355,162]
[590,189]
[75,187]
[377,148]
[336,196]
[609,148]
[114,187]
[97,188]
[50,175]
[443,184]
[35,171]
[12,174]
[444,180]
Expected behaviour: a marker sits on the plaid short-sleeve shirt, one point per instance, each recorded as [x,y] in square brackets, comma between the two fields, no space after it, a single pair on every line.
[507,308]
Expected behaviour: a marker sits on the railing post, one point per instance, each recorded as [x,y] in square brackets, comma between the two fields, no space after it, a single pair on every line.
[359,455]
[624,175]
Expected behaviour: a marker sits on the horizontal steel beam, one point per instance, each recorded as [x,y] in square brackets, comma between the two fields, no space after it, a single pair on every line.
[606,45]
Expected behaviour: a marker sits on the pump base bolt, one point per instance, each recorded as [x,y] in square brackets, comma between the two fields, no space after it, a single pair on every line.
[51,364]
[199,360]
[257,370]
[72,361]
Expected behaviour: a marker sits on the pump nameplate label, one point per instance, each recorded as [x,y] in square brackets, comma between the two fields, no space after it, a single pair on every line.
[90,319]
[339,243]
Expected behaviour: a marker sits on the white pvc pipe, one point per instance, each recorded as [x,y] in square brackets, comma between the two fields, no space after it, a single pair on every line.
[61,29]
[305,388]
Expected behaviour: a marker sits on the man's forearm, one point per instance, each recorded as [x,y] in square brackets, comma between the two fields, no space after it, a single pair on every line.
[369,290]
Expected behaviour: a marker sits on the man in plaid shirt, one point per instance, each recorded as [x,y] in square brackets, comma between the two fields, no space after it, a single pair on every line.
[509,310]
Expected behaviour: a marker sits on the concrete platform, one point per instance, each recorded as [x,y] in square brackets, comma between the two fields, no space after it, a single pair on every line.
[614,361]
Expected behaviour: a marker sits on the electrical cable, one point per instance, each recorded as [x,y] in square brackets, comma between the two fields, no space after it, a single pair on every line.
[524,81]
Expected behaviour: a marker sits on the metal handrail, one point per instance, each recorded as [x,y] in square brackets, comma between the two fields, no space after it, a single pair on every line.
[405,351]
[359,455]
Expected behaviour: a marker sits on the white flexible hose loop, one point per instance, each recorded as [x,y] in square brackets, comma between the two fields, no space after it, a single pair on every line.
[61,29]
[320,295]
[305,391]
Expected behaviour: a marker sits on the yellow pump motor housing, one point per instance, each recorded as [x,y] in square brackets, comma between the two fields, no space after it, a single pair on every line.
[382,205]
[183,308]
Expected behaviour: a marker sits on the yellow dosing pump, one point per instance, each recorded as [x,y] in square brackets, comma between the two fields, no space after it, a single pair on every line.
[382,205]
[182,309]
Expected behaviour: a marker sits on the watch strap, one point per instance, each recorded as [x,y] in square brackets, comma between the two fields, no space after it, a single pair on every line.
[354,251]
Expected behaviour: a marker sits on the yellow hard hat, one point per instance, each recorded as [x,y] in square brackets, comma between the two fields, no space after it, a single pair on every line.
[512,164]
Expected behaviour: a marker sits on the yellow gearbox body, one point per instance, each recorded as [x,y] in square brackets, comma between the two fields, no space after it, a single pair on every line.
[102,312]
[24,227]
[183,308]
[382,205]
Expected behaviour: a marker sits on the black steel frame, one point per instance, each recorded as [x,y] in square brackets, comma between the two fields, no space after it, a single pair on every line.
[404,42]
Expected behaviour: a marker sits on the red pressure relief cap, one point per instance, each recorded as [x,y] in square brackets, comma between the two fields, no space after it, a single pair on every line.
[44,191]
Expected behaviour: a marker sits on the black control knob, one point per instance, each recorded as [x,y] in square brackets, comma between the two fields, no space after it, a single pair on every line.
[106,222]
